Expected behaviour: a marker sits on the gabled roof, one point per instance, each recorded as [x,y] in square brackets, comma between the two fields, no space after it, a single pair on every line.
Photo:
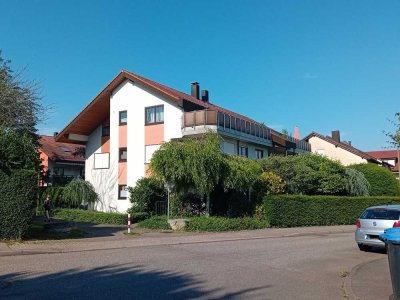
[61,151]
[342,145]
[98,109]
[386,154]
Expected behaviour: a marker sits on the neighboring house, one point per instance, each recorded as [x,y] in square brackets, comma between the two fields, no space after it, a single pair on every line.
[391,157]
[132,116]
[60,161]
[335,149]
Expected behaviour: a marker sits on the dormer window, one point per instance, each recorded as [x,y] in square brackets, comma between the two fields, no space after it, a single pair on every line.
[65,149]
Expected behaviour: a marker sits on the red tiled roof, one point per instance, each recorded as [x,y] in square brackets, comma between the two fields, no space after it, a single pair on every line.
[386,154]
[89,118]
[344,146]
[57,151]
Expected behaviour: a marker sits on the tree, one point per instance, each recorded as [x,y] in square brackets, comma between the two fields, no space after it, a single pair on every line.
[394,137]
[19,100]
[145,194]
[79,192]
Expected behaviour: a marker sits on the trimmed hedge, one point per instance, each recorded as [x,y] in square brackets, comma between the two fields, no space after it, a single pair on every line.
[382,181]
[18,193]
[97,217]
[213,224]
[300,210]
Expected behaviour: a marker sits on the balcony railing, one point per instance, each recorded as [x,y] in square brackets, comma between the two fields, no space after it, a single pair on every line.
[231,123]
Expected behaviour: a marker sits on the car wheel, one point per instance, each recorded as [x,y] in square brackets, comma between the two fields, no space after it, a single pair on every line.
[363,247]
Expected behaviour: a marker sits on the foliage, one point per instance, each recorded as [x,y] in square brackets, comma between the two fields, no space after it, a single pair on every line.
[145,194]
[357,184]
[241,173]
[300,210]
[18,150]
[309,174]
[394,137]
[382,181]
[97,217]
[190,163]
[225,224]
[155,223]
[18,192]
[19,100]
[78,192]
[269,183]
[55,194]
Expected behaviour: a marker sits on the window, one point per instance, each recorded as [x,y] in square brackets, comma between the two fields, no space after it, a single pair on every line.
[229,148]
[123,154]
[65,149]
[122,192]
[149,151]
[244,151]
[123,117]
[154,114]
[259,154]
[105,131]
[101,160]
[58,171]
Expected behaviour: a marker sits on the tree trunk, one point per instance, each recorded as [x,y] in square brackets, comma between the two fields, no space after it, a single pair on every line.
[208,205]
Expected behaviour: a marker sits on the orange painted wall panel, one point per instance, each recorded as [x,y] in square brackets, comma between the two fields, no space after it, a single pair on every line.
[123,136]
[45,160]
[147,172]
[154,134]
[105,144]
[122,173]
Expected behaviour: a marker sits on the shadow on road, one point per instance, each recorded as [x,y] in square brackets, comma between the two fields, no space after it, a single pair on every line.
[113,282]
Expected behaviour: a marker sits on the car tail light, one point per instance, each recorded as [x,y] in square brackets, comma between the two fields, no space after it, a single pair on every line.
[358,223]
[396,224]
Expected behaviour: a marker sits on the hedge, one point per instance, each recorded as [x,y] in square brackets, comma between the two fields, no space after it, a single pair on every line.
[300,210]
[18,194]
[97,217]
[211,224]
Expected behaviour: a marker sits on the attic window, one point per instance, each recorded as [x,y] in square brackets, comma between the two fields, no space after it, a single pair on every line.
[65,149]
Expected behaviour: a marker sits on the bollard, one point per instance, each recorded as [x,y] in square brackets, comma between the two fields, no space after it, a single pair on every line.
[129,223]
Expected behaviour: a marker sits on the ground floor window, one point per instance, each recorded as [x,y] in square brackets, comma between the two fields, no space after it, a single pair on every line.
[122,192]
[244,151]
[259,153]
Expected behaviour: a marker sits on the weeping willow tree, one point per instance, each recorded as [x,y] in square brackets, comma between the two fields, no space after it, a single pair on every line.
[78,192]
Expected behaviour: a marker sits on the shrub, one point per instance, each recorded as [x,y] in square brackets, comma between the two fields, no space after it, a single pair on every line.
[78,192]
[155,223]
[145,194]
[18,192]
[225,224]
[382,181]
[357,184]
[55,193]
[97,217]
[308,174]
[268,184]
[300,210]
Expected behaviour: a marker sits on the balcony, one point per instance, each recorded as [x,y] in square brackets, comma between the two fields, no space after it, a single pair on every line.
[201,121]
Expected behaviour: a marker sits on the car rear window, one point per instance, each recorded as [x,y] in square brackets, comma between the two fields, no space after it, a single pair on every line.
[381,213]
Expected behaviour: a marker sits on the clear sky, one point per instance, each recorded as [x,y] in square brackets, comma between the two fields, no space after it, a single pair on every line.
[319,65]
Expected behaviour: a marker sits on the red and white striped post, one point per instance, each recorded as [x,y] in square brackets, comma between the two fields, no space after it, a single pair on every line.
[129,223]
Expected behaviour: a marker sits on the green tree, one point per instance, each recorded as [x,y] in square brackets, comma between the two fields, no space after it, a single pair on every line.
[145,194]
[79,192]
[357,184]
[394,137]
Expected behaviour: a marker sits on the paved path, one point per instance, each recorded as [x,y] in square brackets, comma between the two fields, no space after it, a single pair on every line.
[294,263]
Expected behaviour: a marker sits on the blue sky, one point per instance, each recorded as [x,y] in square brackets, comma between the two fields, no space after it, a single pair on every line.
[319,65]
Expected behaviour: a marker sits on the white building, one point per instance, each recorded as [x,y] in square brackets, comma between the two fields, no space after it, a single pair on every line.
[132,116]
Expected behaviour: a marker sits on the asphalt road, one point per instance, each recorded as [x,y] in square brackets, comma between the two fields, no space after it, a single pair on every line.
[299,267]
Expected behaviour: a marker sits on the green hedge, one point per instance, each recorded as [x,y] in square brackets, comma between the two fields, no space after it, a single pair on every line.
[300,210]
[18,194]
[78,215]
[212,224]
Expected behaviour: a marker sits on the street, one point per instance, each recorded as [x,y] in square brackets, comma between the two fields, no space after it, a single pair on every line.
[230,266]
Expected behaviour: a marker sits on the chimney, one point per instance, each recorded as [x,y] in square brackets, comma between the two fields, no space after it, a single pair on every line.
[204,95]
[55,133]
[195,91]
[336,136]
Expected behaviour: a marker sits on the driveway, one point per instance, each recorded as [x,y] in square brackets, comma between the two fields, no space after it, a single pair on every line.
[298,263]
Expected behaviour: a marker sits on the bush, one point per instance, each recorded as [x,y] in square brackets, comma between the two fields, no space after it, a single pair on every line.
[300,210]
[96,217]
[79,192]
[308,174]
[381,180]
[145,194]
[267,184]
[225,224]
[209,223]
[18,193]
[357,184]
